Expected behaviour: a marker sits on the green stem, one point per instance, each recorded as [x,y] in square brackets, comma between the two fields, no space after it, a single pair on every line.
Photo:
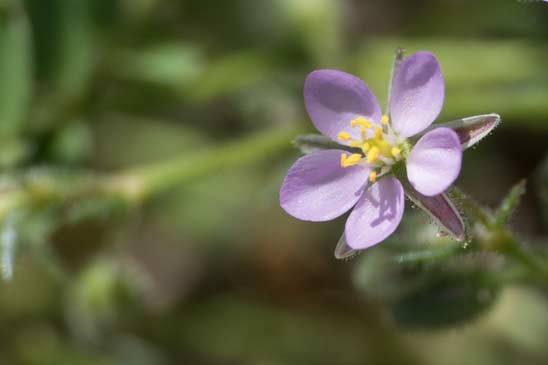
[497,239]
[133,186]
[537,267]
[142,182]
[476,211]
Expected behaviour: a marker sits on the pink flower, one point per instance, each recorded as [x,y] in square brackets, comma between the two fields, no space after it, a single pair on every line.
[325,184]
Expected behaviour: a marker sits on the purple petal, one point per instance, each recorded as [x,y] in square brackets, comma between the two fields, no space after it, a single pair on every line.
[417,94]
[434,163]
[471,130]
[334,98]
[317,188]
[377,214]
[441,210]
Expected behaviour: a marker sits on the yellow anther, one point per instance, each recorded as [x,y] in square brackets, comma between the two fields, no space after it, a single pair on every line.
[378,133]
[384,119]
[351,160]
[355,144]
[395,151]
[365,147]
[373,154]
[343,159]
[373,176]
[344,136]
[362,122]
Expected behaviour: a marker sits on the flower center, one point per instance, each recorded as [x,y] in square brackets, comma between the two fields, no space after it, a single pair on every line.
[378,144]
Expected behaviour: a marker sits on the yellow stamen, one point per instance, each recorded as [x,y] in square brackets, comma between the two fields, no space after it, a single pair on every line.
[373,154]
[351,160]
[362,122]
[395,151]
[373,176]
[365,147]
[385,119]
[344,136]
[355,144]
[378,133]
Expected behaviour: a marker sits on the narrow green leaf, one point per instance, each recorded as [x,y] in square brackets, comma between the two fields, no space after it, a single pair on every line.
[15,70]
[75,48]
[429,254]
[509,203]
[64,44]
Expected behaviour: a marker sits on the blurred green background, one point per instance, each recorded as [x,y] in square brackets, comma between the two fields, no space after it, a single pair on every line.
[211,270]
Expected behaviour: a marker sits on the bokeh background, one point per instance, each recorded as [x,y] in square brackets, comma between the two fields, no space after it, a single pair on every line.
[208,269]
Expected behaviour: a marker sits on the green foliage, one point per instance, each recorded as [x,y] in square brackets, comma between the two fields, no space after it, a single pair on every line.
[63,33]
[15,70]
[509,204]
[16,82]
[429,285]
[446,299]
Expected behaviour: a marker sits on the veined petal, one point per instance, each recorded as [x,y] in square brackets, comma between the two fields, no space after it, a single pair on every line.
[376,215]
[435,161]
[471,130]
[442,210]
[317,188]
[334,98]
[417,95]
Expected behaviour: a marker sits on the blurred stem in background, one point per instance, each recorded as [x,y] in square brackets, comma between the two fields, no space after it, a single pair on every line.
[71,193]
[142,182]
[134,186]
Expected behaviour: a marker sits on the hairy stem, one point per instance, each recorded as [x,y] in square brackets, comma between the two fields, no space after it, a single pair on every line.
[496,238]
[474,210]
